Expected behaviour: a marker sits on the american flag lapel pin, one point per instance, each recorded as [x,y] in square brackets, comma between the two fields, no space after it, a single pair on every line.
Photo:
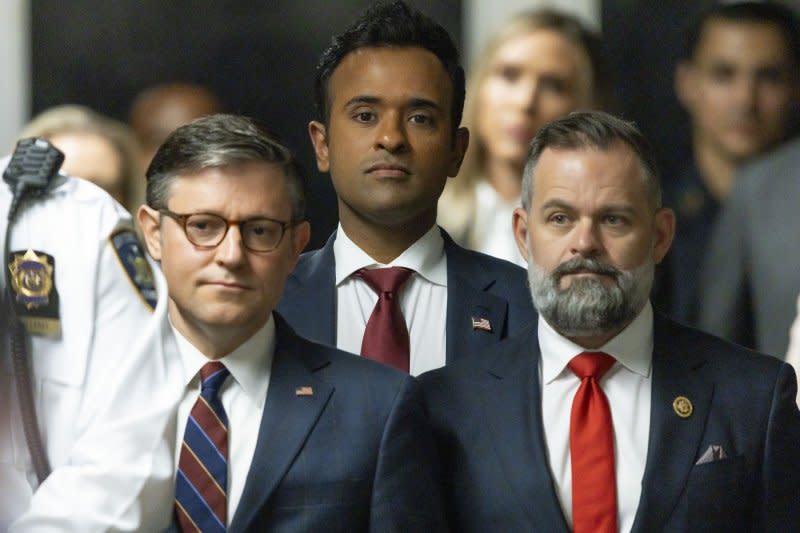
[481,323]
[304,391]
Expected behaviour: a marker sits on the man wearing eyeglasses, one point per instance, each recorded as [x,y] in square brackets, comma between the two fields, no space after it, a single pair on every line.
[273,432]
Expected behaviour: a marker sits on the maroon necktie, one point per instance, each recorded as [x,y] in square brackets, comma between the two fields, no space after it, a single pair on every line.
[591,445]
[386,335]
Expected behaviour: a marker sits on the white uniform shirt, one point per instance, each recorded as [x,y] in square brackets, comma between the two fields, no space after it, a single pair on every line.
[423,298]
[494,233]
[99,405]
[243,395]
[627,385]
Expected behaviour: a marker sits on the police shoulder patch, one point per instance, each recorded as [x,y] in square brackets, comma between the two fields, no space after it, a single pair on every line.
[131,256]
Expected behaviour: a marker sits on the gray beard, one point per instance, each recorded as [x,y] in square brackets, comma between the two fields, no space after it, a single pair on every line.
[587,307]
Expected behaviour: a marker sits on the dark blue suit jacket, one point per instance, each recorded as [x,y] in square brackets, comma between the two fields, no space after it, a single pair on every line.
[354,455]
[487,420]
[478,286]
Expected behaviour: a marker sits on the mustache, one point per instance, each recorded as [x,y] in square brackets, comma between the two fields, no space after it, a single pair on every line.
[583,264]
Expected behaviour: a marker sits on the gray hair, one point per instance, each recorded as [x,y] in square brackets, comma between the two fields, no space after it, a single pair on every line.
[592,129]
[218,141]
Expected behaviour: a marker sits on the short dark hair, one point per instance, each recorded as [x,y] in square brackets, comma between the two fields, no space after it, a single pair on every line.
[592,129]
[388,24]
[782,17]
[217,141]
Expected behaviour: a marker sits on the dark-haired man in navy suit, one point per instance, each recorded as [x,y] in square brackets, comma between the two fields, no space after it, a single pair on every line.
[273,432]
[604,417]
[389,95]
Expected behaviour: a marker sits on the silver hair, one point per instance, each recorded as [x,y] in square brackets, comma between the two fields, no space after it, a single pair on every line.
[592,129]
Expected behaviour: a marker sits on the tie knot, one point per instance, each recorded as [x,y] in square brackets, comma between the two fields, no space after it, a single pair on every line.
[211,377]
[591,364]
[383,280]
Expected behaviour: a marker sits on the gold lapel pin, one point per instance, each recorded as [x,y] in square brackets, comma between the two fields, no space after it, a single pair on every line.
[304,391]
[682,406]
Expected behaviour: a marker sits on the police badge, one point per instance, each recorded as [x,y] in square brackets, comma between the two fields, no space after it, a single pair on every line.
[35,294]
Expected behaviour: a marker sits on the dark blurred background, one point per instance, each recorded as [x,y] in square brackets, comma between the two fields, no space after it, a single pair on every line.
[260,57]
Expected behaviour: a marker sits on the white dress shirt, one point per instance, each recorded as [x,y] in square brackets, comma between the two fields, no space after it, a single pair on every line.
[494,233]
[627,385]
[423,298]
[243,395]
[793,352]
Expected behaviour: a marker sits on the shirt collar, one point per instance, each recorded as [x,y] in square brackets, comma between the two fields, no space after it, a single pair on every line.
[426,257]
[249,364]
[633,347]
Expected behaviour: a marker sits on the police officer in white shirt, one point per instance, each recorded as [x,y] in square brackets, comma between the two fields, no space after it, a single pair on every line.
[84,293]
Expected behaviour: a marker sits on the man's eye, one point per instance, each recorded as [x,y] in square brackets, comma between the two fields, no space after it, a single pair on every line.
[721,73]
[364,116]
[558,219]
[615,220]
[509,73]
[553,84]
[421,119]
[773,76]
[203,224]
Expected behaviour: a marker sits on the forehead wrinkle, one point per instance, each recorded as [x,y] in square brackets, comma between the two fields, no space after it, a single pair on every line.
[620,194]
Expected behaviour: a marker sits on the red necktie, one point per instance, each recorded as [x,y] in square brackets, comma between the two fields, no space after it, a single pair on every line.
[591,445]
[386,335]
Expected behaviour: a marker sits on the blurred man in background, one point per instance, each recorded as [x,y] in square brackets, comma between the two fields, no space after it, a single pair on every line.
[738,81]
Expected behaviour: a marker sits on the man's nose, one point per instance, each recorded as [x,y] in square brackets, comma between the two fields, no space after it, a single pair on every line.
[391,133]
[586,240]
[231,250]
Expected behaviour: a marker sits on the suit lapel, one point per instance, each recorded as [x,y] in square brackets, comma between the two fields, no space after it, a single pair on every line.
[287,420]
[314,295]
[674,441]
[511,403]
[468,301]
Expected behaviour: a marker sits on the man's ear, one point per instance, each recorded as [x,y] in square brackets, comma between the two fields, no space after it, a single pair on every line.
[149,221]
[319,139]
[665,232]
[519,223]
[460,145]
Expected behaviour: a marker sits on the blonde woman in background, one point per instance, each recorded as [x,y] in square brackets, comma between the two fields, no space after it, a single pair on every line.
[96,148]
[540,66]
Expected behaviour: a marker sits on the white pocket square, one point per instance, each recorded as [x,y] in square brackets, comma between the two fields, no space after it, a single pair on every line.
[715,452]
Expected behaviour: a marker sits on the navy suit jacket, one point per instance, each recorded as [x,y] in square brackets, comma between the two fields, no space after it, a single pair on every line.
[478,286]
[487,420]
[353,453]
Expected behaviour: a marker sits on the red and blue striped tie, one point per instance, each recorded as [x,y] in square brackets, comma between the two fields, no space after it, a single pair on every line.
[202,480]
